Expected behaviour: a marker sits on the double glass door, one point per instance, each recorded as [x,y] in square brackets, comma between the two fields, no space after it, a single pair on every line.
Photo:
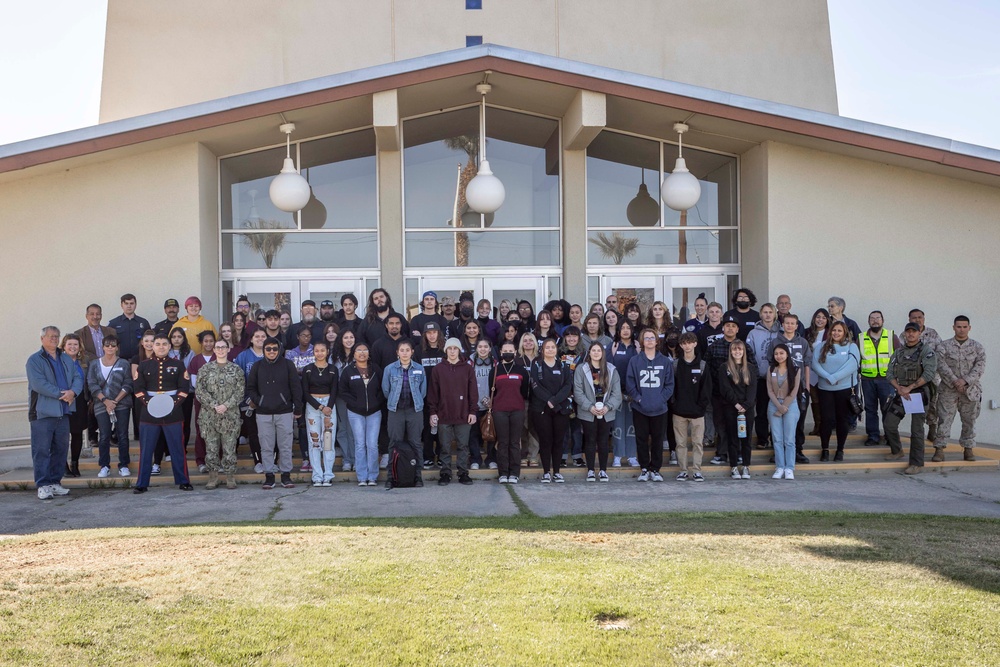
[495,289]
[677,292]
[288,295]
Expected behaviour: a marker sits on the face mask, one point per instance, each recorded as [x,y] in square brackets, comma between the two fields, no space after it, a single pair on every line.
[466,312]
[742,304]
[507,356]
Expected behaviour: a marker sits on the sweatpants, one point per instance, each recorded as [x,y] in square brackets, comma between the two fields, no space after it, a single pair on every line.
[275,432]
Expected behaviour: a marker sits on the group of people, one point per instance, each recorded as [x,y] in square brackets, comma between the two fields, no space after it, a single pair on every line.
[503,388]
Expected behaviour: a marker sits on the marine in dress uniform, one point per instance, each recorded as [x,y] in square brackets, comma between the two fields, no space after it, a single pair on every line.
[162,375]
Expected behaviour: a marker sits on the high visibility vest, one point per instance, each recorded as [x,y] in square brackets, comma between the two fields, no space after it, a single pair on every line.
[875,363]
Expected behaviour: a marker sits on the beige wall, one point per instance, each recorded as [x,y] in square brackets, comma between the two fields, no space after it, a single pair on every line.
[70,238]
[164,55]
[885,238]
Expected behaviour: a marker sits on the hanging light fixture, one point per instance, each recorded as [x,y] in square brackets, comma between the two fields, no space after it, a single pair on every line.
[289,191]
[643,210]
[484,193]
[680,190]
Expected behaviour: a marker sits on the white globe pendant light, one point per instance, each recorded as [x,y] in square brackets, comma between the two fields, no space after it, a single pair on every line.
[680,190]
[643,210]
[484,193]
[289,190]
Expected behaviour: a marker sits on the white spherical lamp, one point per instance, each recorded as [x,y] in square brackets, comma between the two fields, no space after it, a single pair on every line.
[289,191]
[485,193]
[680,190]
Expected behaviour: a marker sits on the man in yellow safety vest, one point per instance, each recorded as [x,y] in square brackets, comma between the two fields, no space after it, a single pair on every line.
[876,345]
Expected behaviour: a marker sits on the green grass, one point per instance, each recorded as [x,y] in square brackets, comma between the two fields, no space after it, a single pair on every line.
[689,589]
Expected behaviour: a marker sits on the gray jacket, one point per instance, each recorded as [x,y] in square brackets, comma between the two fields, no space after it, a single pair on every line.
[119,378]
[585,396]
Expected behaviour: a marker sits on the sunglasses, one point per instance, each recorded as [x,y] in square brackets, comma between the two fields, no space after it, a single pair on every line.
[260,319]
[111,345]
[270,348]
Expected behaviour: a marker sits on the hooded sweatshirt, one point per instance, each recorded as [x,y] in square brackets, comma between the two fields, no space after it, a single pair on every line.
[650,383]
[275,387]
[453,394]
[692,389]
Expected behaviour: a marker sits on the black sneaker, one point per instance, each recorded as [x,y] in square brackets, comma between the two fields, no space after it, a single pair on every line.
[139,489]
[419,483]
[578,462]
[444,479]
[388,484]
[871,442]
[465,479]
[801,458]
[286,481]
[186,487]
[268,482]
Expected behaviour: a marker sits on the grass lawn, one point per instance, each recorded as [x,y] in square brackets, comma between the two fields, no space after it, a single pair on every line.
[688,589]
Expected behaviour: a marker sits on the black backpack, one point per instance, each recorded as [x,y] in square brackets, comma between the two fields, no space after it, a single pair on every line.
[404,465]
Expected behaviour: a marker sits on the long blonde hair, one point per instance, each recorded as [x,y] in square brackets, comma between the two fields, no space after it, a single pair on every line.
[520,347]
[740,372]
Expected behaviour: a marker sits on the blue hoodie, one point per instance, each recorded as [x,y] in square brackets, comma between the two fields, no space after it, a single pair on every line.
[650,383]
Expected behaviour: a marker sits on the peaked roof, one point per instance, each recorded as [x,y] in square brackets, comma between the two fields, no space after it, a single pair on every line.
[629,85]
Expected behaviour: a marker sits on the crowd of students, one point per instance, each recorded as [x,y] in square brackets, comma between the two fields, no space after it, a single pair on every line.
[504,387]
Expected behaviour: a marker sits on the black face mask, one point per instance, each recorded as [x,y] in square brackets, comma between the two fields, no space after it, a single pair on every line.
[507,356]
[742,304]
[466,312]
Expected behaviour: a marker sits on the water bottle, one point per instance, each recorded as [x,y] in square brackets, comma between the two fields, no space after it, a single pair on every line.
[328,441]
[434,429]
[741,426]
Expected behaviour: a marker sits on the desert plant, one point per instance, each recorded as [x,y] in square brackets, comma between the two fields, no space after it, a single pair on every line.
[265,243]
[615,247]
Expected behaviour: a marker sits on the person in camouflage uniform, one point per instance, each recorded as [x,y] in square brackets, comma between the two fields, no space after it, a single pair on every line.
[911,370]
[931,338]
[961,362]
[220,390]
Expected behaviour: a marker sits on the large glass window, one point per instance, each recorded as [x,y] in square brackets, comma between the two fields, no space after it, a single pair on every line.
[336,229]
[441,156]
[628,225]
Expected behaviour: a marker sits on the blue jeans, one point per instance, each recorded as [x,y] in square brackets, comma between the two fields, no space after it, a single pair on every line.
[623,433]
[345,437]
[104,440]
[783,433]
[321,460]
[876,392]
[49,445]
[365,431]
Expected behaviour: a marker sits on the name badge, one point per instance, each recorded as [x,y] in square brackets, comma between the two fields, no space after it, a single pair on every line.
[557,372]
[695,371]
[355,377]
[418,372]
[774,375]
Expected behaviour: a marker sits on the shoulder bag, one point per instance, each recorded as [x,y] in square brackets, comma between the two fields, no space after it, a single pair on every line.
[487,427]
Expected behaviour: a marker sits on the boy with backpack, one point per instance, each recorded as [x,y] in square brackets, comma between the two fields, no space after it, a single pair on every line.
[404,384]
[692,394]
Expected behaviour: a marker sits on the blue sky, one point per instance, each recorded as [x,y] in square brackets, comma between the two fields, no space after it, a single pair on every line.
[928,66]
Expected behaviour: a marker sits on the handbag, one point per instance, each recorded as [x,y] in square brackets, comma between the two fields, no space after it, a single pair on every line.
[854,402]
[487,427]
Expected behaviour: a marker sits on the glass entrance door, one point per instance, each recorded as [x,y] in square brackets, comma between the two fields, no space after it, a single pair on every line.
[514,290]
[321,290]
[677,292]
[494,289]
[288,295]
[643,290]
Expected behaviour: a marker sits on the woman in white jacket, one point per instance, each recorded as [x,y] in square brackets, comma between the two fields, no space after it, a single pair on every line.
[598,394]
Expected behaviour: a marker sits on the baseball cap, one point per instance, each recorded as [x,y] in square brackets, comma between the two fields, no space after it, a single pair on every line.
[453,342]
[911,326]
[171,302]
[308,302]
[326,303]
[730,318]
[429,293]
[447,301]
[432,326]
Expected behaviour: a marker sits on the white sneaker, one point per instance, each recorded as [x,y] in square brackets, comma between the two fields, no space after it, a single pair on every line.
[167,458]
[634,462]
[617,462]
[493,465]
[155,470]
[474,466]
[45,493]
[124,471]
[546,478]
[58,490]
[105,472]
[778,473]
[673,459]
[603,477]
[558,478]
[259,468]
[503,479]
[512,479]
[746,472]
[347,467]
[789,473]
[656,477]
[363,483]
[682,476]
[383,462]
[243,440]
[644,475]
[736,473]
[591,477]
[203,468]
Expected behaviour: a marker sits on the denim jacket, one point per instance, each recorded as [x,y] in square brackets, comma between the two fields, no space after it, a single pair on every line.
[42,388]
[392,384]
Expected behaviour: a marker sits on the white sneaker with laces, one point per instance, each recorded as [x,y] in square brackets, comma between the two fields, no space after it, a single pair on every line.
[383,462]
[105,472]
[347,467]
[558,478]
[503,479]
[736,473]
[603,476]
[58,490]
[512,479]
[617,462]
[493,465]
[746,472]
[591,477]
[673,459]
[634,462]
[124,471]
[203,468]
[789,473]
[644,475]
[259,468]
[778,473]
[656,477]
[45,493]
[167,458]
[546,478]
[682,476]
[156,470]
[474,466]
[698,477]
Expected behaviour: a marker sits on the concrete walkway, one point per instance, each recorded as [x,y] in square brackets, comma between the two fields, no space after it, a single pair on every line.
[975,494]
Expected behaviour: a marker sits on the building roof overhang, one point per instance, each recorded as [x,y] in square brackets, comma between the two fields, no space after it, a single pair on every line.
[539,83]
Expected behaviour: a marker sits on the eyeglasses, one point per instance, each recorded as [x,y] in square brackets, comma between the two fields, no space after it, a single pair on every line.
[111,345]
[260,319]
[270,348]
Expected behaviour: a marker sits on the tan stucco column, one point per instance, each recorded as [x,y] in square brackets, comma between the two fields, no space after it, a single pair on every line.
[385,118]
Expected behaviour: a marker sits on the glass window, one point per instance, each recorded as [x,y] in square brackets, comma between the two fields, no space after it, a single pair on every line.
[617,166]
[473,40]
[485,248]
[245,182]
[662,246]
[299,250]
[342,173]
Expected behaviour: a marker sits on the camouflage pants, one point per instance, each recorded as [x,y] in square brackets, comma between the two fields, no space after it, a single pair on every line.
[932,410]
[224,435]
[949,402]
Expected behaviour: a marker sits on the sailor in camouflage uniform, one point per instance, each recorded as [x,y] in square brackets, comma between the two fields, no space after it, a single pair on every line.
[220,390]
[961,362]
[931,338]
[911,370]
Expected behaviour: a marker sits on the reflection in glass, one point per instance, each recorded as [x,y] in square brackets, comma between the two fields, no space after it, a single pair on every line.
[662,246]
[488,248]
[245,182]
[342,173]
[297,250]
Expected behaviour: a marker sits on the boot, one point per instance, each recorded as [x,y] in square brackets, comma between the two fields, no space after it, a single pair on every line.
[839,456]
[825,455]
[230,480]
[213,480]
[968,455]
[938,455]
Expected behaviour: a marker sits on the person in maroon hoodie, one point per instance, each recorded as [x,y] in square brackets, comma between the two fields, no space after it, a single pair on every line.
[510,383]
[451,400]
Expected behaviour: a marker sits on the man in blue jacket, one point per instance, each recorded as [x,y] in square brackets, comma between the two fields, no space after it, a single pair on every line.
[649,384]
[53,385]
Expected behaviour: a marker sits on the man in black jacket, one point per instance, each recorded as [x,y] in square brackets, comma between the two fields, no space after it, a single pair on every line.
[275,392]
[692,394]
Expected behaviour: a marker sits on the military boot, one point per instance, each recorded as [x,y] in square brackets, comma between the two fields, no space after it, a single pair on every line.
[968,455]
[938,455]
[213,480]
[230,480]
